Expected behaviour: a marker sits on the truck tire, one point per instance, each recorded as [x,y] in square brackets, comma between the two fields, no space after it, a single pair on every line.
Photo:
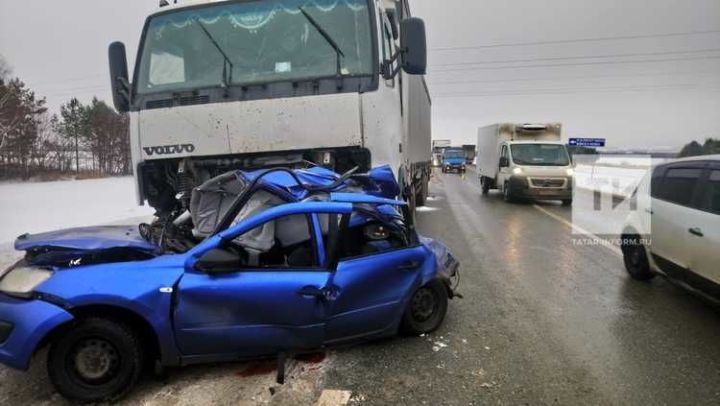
[97,360]
[507,193]
[567,202]
[423,194]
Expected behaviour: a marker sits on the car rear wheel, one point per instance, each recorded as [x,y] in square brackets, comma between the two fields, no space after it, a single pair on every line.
[635,258]
[96,360]
[426,310]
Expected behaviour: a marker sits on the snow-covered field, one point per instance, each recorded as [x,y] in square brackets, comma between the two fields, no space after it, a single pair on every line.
[47,206]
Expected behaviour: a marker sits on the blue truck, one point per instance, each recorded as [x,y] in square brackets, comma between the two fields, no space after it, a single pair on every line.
[453,160]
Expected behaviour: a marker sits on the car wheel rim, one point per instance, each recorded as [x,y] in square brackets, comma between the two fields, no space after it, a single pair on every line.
[95,361]
[424,305]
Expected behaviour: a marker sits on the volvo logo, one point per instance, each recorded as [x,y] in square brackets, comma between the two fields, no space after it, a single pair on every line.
[169,149]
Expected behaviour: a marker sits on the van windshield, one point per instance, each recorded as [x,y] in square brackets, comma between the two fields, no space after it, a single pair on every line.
[540,154]
[254,42]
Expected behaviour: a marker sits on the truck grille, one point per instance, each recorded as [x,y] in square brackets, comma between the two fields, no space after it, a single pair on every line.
[556,183]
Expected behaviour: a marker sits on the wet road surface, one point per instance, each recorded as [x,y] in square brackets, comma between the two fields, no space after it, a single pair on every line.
[543,321]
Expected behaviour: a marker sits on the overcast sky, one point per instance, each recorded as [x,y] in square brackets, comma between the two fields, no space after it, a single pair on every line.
[637,72]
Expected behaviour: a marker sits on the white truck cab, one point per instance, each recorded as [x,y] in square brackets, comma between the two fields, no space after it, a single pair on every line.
[525,161]
[226,85]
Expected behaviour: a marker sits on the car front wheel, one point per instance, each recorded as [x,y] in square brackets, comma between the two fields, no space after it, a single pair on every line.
[426,310]
[636,260]
[96,360]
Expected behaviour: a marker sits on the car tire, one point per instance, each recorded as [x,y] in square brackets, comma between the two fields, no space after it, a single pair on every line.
[507,194]
[635,259]
[426,309]
[567,202]
[97,360]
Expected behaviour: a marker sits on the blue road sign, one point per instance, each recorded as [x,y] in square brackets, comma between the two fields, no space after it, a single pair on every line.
[587,142]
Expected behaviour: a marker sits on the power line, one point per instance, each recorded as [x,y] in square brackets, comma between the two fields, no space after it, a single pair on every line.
[578,40]
[633,54]
[565,77]
[577,90]
[576,64]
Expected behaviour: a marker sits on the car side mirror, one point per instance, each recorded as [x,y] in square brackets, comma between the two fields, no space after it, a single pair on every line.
[413,43]
[504,162]
[119,79]
[219,260]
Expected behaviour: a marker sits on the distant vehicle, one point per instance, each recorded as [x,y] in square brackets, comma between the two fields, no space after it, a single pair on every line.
[525,161]
[675,230]
[293,261]
[470,151]
[453,160]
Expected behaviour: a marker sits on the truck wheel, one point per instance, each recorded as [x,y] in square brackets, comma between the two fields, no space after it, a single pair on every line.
[567,202]
[507,194]
[485,183]
[635,259]
[97,360]
[421,198]
[426,309]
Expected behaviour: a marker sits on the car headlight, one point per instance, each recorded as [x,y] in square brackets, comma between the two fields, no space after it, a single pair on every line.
[570,172]
[518,171]
[21,281]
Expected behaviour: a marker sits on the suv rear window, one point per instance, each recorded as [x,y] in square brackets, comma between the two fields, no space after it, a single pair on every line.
[678,185]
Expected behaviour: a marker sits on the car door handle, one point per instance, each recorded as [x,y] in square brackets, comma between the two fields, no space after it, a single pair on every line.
[410,265]
[648,211]
[696,231]
[313,291]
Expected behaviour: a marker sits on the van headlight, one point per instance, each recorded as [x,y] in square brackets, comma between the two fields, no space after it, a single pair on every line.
[23,280]
[570,171]
[518,171]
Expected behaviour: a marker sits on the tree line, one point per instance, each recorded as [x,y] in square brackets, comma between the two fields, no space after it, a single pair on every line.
[711,146]
[86,139]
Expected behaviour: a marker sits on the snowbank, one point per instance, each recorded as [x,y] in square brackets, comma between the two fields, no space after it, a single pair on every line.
[47,206]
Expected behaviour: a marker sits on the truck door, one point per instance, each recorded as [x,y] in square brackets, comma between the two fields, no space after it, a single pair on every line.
[503,172]
[270,302]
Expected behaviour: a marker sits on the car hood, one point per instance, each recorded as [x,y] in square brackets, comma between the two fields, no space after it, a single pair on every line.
[86,244]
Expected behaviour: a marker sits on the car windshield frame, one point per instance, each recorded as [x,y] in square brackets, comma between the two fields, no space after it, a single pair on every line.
[365,49]
[519,161]
[454,155]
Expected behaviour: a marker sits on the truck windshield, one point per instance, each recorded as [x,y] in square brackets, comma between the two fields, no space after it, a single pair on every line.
[264,41]
[454,155]
[540,154]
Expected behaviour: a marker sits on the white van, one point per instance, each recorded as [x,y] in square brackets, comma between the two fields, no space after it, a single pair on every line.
[675,230]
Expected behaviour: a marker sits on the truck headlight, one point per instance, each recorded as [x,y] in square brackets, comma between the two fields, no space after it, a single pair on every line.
[23,280]
[570,172]
[518,171]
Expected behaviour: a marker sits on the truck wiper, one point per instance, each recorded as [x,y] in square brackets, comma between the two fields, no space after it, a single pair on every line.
[226,77]
[338,52]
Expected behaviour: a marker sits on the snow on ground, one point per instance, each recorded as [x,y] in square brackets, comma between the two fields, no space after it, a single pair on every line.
[47,206]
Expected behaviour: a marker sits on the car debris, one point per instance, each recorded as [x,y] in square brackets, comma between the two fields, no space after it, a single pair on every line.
[270,263]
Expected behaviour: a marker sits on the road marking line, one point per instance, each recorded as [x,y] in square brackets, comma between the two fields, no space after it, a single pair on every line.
[331,397]
[615,250]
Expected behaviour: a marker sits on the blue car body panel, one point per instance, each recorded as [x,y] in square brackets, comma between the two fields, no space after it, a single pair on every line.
[453,161]
[198,316]
[32,320]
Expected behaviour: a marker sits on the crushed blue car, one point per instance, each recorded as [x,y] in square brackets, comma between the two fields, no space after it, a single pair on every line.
[265,263]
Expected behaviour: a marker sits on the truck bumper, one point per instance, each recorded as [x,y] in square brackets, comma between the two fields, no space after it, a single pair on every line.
[23,325]
[520,187]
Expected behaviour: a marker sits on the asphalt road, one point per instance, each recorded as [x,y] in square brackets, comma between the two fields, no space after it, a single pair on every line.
[544,321]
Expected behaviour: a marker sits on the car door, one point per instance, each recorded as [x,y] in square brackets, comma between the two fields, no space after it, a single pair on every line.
[270,303]
[371,283]
[704,232]
[675,189]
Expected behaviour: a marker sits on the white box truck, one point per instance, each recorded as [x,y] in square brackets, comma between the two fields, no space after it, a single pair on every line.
[225,85]
[525,161]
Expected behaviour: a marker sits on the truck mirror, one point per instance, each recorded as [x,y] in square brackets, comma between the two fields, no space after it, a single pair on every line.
[119,82]
[504,162]
[413,43]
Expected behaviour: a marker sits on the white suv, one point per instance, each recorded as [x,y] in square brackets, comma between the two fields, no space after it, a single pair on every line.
[675,230]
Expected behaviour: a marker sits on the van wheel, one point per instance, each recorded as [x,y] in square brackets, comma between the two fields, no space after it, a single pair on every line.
[635,258]
[485,183]
[97,360]
[426,309]
[507,194]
